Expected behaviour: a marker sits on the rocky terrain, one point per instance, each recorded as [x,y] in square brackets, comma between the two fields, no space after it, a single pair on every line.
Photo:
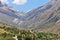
[46,17]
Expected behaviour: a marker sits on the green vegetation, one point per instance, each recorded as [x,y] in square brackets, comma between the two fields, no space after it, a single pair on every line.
[21,34]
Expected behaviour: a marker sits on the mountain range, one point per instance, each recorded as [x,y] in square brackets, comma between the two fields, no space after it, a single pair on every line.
[45,17]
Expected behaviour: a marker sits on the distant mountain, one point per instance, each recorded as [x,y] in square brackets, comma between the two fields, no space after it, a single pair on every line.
[10,15]
[45,16]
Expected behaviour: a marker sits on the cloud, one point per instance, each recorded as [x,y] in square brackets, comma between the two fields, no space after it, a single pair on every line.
[19,2]
[4,1]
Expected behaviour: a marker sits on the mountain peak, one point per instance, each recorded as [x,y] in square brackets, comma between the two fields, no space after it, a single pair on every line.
[55,0]
[1,4]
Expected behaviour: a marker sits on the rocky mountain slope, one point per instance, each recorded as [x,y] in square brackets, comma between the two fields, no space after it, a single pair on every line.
[45,16]
[10,15]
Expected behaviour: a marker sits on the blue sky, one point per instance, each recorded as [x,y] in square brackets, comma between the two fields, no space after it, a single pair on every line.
[26,5]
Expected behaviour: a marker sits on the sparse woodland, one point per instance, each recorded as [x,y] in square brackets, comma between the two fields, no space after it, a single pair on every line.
[9,32]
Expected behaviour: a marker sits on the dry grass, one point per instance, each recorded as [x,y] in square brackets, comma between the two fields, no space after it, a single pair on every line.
[2,31]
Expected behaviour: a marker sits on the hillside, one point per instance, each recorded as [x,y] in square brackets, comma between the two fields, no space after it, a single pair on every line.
[42,23]
[10,15]
[46,16]
[8,32]
[43,17]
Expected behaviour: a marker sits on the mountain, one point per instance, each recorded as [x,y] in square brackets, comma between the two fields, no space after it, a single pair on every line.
[10,15]
[42,23]
[46,16]
[43,17]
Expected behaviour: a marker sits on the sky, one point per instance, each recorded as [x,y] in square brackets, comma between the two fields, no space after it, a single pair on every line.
[25,5]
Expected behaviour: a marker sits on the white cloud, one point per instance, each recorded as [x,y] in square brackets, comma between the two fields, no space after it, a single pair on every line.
[4,1]
[19,2]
